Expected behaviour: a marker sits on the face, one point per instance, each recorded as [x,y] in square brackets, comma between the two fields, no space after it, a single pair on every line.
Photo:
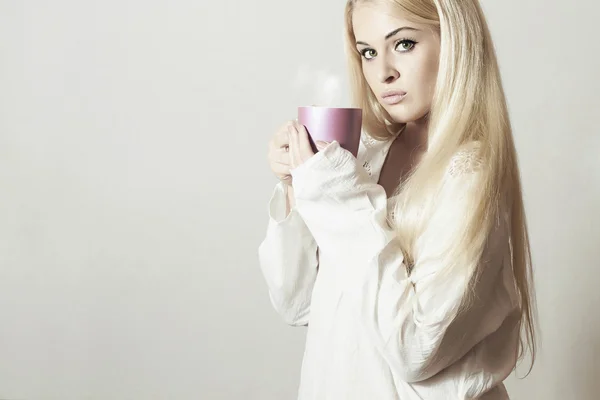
[399,60]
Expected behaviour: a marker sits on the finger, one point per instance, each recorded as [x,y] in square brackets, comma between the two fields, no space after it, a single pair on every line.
[281,170]
[277,145]
[280,156]
[295,156]
[287,179]
[304,141]
[321,145]
[276,153]
[281,138]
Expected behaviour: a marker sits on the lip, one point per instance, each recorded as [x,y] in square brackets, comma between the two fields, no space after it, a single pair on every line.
[392,97]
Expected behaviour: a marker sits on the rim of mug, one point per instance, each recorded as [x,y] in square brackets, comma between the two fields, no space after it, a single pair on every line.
[331,107]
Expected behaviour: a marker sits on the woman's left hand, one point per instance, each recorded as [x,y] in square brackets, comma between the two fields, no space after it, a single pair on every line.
[299,145]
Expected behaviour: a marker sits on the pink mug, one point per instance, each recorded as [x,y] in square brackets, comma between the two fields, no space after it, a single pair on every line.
[332,123]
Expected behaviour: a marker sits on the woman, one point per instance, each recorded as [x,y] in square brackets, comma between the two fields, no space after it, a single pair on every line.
[411,264]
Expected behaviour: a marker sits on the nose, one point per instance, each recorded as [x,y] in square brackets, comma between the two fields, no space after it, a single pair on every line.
[388,73]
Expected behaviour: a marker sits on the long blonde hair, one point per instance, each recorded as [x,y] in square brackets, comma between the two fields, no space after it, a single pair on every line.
[469,106]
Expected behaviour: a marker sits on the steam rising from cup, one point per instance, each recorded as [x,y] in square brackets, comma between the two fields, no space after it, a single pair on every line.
[322,113]
[325,88]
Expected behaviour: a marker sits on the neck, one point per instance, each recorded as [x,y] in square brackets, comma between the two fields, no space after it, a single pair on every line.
[414,135]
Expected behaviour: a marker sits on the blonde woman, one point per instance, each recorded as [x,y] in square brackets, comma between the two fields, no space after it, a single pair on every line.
[410,264]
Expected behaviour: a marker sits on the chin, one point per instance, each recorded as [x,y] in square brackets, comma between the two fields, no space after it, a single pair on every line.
[401,117]
[405,116]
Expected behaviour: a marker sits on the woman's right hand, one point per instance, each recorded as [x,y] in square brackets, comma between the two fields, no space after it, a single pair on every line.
[279,156]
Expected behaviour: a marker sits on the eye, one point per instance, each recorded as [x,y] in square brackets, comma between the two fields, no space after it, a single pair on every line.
[405,45]
[368,54]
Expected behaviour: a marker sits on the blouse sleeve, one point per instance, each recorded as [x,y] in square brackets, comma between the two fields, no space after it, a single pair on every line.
[288,260]
[412,319]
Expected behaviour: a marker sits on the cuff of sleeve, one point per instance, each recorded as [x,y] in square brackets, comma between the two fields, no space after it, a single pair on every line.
[277,205]
[320,170]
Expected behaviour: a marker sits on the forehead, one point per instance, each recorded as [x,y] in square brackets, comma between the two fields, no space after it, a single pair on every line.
[371,22]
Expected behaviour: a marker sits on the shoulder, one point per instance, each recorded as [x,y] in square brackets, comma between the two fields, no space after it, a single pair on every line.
[466,161]
[468,184]
[463,180]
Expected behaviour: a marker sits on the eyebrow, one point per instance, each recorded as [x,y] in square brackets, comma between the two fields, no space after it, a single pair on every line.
[392,33]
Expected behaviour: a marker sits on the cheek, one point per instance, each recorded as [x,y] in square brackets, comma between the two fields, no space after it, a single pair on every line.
[430,70]
[423,79]
[369,76]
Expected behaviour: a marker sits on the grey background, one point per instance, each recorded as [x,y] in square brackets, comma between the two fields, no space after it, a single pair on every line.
[134,189]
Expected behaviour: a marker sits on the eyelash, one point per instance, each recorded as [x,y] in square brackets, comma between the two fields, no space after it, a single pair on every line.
[411,41]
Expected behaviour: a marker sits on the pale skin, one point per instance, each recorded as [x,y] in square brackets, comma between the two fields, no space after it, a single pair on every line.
[398,55]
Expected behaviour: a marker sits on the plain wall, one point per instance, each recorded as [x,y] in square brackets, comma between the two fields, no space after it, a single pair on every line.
[134,186]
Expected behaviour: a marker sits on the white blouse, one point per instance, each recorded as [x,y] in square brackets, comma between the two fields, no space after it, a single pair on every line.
[375,331]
